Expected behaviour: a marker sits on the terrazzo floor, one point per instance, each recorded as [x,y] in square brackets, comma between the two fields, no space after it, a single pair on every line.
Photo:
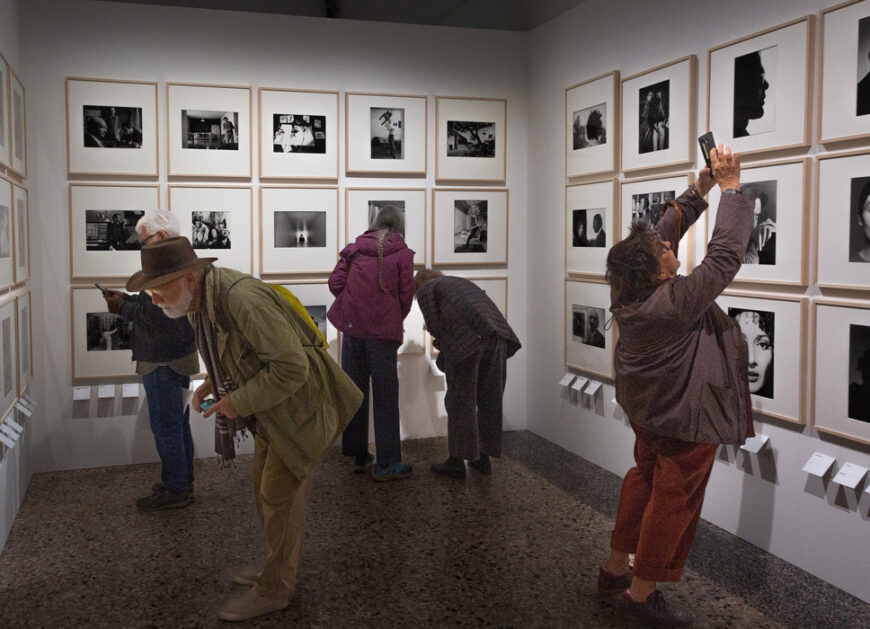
[517,549]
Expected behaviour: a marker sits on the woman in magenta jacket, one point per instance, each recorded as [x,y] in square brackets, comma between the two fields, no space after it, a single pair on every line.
[373,288]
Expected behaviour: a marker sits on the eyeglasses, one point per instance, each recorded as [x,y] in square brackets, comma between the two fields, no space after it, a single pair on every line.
[147,240]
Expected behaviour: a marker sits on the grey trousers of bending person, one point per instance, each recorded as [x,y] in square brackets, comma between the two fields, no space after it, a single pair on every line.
[475,387]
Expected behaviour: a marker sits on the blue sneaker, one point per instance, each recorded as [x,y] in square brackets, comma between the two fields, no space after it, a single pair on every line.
[393,471]
[362,464]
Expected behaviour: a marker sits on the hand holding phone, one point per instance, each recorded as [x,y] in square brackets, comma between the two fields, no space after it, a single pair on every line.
[103,290]
[207,404]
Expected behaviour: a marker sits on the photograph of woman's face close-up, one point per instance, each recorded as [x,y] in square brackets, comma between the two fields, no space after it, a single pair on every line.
[757,329]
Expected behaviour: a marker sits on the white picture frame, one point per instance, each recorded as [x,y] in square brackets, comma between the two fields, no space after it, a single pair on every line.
[21,237]
[8,357]
[308,150]
[469,227]
[219,208]
[781,193]
[782,119]
[7,231]
[842,240]
[138,101]
[305,221]
[482,157]
[92,209]
[100,340]
[24,327]
[841,336]
[585,300]
[775,329]
[5,117]
[659,126]
[317,299]
[203,140]
[586,251]
[596,102]
[18,139]
[385,134]
[360,207]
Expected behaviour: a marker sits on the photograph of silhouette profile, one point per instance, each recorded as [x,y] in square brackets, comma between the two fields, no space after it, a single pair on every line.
[754,102]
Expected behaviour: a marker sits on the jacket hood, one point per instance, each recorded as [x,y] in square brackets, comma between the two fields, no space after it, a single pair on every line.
[368,243]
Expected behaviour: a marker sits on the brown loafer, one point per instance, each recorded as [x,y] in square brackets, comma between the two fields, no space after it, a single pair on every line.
[250,605]
[656,611]
[610,584]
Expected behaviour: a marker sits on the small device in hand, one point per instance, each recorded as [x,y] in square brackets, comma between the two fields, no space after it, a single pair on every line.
[100,287]
[707,144]
[207,404]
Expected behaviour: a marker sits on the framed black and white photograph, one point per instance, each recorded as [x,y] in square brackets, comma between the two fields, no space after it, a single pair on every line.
[7,264]
[590,226]
[469,227]
[778,246]
[592,126]
[209,130]
[774,329]
[658,116]
[111,127]
[317,299]
[843,220]
[21,238]
[5,122]
[8,357]
[101,340]
[362,205]
[470,139]
[18,132]
[844,107]
[841,373]
[24,321]
[103,238]
[759,89]
[588,345]
[385,134]
[298,134]
[298,230]
[218,222]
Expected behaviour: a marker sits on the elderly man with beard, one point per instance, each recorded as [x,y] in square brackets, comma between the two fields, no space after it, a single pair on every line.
[270,374]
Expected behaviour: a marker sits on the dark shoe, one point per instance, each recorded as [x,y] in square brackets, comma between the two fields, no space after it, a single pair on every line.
[362,464]
[159,487]
[611,584]
[655,610]
[453,468]
[393,471]
[482,465]
[162,499]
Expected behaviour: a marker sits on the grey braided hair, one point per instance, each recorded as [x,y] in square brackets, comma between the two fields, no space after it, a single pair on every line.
[390,220]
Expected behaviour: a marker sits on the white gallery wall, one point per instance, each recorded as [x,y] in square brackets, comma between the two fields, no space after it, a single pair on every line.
[767,500]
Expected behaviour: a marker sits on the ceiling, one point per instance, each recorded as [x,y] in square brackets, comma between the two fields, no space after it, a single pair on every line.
[509,15]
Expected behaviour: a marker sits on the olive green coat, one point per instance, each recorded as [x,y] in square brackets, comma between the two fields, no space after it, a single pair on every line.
[282,373]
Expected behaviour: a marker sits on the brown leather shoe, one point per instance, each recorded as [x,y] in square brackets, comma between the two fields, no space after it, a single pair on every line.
[250,605]
[611,584]
[655,610]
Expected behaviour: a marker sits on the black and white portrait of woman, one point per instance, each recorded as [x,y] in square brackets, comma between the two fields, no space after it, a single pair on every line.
[859,237]
[859,372]
[762,243]
[757,329]
[754,106]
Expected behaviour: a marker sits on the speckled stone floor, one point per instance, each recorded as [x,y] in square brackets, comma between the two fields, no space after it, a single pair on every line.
[518,549]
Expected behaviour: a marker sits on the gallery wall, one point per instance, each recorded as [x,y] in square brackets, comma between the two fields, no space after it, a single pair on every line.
[127,41]
[767,499]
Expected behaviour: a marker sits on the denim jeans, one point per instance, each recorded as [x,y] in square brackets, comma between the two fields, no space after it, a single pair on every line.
[362,359]
[170,423]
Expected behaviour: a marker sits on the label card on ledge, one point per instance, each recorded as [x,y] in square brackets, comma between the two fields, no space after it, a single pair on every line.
[23,408]
[106,390]
[130,390]
[6,441]
[15,425]
[81,393]
[579,383]
[566,380]
[754,444]
[818,464]
[593,387]
[28,401]
[9,432]
[850,475]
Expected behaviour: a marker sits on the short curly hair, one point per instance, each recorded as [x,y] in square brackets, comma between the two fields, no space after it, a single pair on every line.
[633,265]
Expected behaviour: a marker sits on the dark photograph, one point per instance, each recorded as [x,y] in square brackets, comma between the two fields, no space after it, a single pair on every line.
[7,356]
[589,126]
[647,206]
[470,139]
[762,243]
[300,229]
[209,130]
[585,325]
[469,226]
[318,314]
[654,110]
[588,228]
[388,136]
[863,96]
[756,326]
[375,208]
[113,127]
[754,104]
[107,332]
[112,230]
[859,372]
[298,133]
[5,233]
[210,230]
[859,220]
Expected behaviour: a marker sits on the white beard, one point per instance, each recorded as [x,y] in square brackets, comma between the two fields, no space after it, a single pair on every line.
[181,306]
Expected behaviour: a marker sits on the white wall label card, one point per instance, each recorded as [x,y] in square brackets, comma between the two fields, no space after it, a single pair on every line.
[81,393]
[593,388]
[566,380]
[15,425]
[130,389]
[29,401]
[850,475]
[23,408]
[9,432]
[106,390]
[818,464]
[6,441]
[579,383]
[754,444]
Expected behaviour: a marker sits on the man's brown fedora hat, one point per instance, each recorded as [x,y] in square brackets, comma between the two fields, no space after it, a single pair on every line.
[165,261]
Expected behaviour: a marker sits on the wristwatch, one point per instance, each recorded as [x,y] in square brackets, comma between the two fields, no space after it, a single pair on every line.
[732,191]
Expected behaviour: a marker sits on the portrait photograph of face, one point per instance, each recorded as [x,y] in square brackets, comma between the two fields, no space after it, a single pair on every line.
[754,93]
[589,127]
[588,228]
[654,105]
[859,372]
[859,221]
[756,326]
[762,242]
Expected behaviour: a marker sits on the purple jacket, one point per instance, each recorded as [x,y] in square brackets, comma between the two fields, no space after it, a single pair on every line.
[361,309]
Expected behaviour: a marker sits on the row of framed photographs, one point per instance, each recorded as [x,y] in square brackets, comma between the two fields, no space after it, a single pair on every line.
[112,129]
[775,327]
[13,135]
[101,341]
[299,226]
[759,98]
[14,234]
[778,248]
